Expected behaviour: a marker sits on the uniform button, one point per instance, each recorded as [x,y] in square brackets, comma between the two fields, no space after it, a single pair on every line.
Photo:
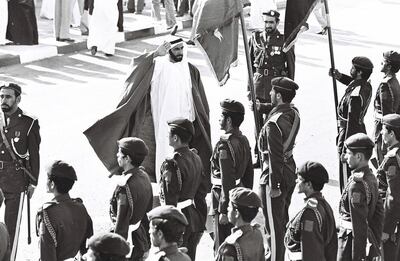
[19,115]
[2,152]
[6,131]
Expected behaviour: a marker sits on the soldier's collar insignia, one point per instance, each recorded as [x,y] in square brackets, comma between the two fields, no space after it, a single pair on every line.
[358,176]
[312,202]
[123,179]
[392,152]
[234,236]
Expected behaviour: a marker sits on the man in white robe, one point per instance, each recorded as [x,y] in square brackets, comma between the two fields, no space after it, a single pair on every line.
[170,82]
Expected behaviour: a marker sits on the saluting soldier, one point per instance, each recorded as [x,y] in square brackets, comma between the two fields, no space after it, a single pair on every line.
[278,179]
[360,207]
[387,98]
[389,184]
[105,247]
[352,107]
[311,234]
[19,153]
[269,60]
[63,224]
[133,196]
[231,166]
[246,241]
[183,180]
[167,225]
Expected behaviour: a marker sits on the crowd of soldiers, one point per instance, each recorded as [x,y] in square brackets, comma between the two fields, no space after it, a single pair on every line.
[369,208]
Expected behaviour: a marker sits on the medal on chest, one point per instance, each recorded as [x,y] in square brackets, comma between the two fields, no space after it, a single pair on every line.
[17,135]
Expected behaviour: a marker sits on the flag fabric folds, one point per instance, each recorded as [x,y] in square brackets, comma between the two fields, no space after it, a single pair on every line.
[216,30]
[297,13]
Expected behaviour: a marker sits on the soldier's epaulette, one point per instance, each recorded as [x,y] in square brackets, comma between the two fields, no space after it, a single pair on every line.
[33,117]
[312,203]
[225,137]
[48,204]
[234,237]
[123,180]
[194,150]
[356,91]
[274,118]
[392,153]
[79,200]
[358,176]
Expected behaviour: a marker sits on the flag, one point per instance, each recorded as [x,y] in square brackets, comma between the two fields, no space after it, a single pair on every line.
[216,30]
[297,13]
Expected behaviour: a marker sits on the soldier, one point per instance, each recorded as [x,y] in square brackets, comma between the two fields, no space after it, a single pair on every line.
[105,247]
[311,234]
[352,107]
[183,181]
[269,60]
[231,166]
[387,99]
[63,224]
[133,197]
[246,241]
[19,153]
[360,207]
[277,181]
[389,183]
[167,225]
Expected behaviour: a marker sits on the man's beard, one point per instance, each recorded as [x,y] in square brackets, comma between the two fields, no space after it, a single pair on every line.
[5,108]
[175,58]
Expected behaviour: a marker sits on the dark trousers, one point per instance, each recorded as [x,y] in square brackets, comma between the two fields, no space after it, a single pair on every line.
[279,216]
[184,6]
[190,241]
[345,247]
[120,23]
[11,213]
[391,247]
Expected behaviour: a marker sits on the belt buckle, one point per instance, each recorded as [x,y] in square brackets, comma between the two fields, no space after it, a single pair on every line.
[1,165]
[266,72]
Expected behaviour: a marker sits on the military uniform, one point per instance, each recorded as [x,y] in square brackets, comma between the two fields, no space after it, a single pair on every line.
[351,110]
[181,182]
[387,100]
[311,234]
[63,226]
[360,209]
[276,142]
[231,167]
[22,132]
[110,244]
[132,199]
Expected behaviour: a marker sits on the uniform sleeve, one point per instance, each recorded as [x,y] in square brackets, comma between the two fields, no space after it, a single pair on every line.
[386,97]
[290,63]
[227,176]
[47,248]
[89,233]
[123,214]
[34,157]
[170,184]
[355,108]
[275,146]
[392,203]
[251,51]
[359,215]
[345,79]
[248,177]
[200,197]
[226,253]
[311,245]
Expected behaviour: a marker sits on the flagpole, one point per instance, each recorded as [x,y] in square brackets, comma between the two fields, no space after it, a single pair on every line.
[250,74]
[332,57]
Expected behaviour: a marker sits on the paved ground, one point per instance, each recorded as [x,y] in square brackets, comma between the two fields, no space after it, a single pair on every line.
[68,93]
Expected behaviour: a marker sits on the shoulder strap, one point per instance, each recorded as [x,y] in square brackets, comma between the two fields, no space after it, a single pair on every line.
[295,125]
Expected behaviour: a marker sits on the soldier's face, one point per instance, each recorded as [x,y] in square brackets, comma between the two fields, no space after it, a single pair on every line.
[270,24]
[222,122]
[352,159]
[385,66]
[89,256]
[300,184]
[387,135]
[176,53]
[120,158]
[353,72]
[154,234]
[272,94]
[9,102]
[232,213]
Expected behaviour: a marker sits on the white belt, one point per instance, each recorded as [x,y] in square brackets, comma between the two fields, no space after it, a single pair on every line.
[345,224]
[184,204]
[295,255]
[132,228]
[218,182]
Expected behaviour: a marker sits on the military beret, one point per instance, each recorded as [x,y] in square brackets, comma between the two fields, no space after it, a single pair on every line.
[271,13]
[229,105]
[392,57]
[109,244]
[61,169]
[134,145]
[168,212]
[314,172]
[284,83]
[183,124]
[392,120]
[359,141]
[12,86]
[245,197]
[362,62]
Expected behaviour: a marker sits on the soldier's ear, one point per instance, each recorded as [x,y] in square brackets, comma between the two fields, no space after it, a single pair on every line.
[18,99]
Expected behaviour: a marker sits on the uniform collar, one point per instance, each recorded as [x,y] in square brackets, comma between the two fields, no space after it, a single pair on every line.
[234,131]
[170,250]
[182,149]
[62,197]
[316,194]
[245,228]
[362,169]
[397,145]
